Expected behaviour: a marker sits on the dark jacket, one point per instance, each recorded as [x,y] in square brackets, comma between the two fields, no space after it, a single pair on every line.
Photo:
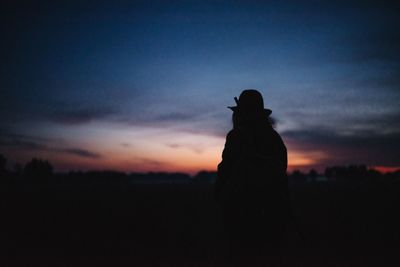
[253,168]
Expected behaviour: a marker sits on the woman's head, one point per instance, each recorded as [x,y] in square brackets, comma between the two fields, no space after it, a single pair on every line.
[249,110]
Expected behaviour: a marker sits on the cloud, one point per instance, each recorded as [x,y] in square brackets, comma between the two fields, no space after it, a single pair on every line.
[80,152]
[379,46]
[22,144]
[22,141]
[149,162]
[33,143]
[149,115]
[82,115]
[195,148]
[174,116]
[376,50]
[131,113]
[180,119]
[389,80]
[174,145]
[368,147]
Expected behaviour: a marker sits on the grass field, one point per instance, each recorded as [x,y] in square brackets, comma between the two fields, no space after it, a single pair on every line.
[340,224]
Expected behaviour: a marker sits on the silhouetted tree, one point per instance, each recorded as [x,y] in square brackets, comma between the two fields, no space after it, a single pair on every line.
[328,172]
[373,175]
[204,177]
[38,170]
[391,176]
[355,173]
[3,162]
[312,174]
[18,169]
[298,176]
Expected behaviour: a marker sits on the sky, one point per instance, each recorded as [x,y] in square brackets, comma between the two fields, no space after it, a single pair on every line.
[144,85]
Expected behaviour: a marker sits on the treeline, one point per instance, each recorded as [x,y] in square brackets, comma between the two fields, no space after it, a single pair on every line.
[38,171]
[349,173]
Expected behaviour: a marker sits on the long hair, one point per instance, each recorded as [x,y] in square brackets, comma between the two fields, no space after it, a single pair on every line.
[255,120]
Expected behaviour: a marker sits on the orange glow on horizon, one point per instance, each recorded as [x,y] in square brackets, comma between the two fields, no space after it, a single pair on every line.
[146,149]
[301,160]
[384,169]
[161,158]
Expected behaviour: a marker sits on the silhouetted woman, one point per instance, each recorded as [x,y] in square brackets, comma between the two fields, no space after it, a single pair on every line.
[252,184]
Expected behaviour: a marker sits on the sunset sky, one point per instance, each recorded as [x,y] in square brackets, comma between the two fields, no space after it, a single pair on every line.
[144,85]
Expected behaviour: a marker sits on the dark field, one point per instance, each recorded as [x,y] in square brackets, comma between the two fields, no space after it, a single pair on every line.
[341,224]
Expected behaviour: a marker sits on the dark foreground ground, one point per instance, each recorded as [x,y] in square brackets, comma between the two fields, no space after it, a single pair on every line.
[178,225]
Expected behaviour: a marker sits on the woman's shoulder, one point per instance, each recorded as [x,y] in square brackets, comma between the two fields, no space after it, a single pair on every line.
[278,139]
[232,134]
[238,137]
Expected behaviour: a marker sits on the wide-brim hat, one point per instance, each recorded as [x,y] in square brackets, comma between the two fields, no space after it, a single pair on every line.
[250,101]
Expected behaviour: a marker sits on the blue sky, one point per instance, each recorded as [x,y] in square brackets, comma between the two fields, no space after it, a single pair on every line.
[101,85]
